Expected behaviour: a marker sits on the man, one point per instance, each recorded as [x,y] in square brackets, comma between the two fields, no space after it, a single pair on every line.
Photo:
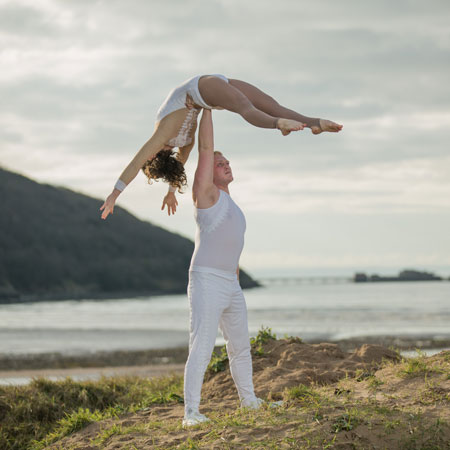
[214,293]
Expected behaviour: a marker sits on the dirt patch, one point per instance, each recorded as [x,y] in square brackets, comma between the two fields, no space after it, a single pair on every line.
[287,362]
[365,399]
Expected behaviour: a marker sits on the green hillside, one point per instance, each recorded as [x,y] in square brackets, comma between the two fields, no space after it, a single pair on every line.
[53,244]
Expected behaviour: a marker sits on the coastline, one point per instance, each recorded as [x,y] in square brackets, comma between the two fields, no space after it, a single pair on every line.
[329,396]
[153,362]
[18,298]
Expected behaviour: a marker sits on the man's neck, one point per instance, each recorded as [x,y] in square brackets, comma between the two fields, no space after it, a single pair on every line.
[223,187]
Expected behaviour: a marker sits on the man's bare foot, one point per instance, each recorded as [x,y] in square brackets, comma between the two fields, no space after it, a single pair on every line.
[288,125]
[326,125]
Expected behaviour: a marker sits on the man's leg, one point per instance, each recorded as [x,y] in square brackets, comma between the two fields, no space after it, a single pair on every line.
[205,311]
[234,326]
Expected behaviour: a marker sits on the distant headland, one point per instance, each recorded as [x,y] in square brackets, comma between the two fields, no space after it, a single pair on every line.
[404,275]
[54,246]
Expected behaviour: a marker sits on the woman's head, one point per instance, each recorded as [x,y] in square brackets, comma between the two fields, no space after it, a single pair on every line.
[166,166]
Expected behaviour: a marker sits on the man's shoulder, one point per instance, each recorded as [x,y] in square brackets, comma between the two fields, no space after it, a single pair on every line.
[205,196]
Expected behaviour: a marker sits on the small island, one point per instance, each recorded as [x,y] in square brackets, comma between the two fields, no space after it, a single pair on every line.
[404,275]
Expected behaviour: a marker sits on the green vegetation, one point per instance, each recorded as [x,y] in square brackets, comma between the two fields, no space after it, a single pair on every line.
[219,360]
[264,335]
[374,382]
[345,422]
[301,392]
[418,366]
[54,244]
[55,409]
[132,413]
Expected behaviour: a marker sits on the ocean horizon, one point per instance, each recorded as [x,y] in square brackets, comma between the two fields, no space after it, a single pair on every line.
[333,310]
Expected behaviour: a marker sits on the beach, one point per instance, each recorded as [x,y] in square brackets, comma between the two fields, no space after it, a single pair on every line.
[370,397]
[20,369]
[365,364]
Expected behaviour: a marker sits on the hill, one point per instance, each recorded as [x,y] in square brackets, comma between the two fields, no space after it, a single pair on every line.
[53,245]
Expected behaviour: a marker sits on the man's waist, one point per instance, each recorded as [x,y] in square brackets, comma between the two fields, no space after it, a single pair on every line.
[230,275]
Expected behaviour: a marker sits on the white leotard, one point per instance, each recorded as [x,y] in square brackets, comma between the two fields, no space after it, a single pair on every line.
[177,100]
[219,238]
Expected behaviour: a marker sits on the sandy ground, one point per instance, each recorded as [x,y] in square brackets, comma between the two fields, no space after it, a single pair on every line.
[20,369]
[358,400]
[88,373]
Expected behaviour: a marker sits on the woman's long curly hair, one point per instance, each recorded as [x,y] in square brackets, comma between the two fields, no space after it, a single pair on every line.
[166,166]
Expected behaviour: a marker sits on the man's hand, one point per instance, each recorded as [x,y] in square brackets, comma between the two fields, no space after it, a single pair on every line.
[171,201]
[189,103]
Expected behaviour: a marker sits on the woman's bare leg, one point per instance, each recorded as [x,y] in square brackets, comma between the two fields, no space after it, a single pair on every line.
[270,106]
[218,93]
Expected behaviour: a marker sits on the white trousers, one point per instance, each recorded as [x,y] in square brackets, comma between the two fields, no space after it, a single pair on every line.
[216,301]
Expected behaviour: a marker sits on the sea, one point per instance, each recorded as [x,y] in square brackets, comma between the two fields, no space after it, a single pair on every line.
[317,309]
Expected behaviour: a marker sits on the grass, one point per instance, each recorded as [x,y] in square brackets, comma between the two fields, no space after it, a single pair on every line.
[219,360]
[39,415]
[264,335]
[302,392]
[374,382]
[312,417]
[52,409]
[417,367]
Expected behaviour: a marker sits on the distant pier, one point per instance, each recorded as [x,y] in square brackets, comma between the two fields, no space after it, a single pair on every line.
[306,280]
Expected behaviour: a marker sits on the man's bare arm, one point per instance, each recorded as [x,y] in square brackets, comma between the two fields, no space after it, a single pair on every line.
[204,191]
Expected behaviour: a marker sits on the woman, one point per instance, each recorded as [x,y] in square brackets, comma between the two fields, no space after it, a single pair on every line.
[177,121]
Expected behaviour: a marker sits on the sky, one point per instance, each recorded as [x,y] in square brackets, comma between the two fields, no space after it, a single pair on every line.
[81,81]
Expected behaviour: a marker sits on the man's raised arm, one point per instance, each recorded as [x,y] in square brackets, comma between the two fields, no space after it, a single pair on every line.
[204,192]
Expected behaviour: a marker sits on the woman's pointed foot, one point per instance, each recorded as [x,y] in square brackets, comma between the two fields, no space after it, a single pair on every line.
[326,125]
[288,125]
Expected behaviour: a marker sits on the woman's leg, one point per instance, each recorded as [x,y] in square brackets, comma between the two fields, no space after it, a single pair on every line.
[218,93]
[270,106]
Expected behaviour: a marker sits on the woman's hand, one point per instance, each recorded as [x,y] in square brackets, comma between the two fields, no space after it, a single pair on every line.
[171,201]
[108,206]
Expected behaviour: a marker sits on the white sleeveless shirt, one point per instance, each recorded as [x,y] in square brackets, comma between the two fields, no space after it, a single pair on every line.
[177,100]
[219,239]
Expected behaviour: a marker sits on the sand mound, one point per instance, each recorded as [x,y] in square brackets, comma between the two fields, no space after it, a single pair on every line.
[288,362]
[395,405]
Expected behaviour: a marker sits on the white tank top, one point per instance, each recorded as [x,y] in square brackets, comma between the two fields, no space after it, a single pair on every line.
[177,100]
[219,239]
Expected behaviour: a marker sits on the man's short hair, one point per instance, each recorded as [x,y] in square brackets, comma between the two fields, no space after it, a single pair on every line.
[216,152]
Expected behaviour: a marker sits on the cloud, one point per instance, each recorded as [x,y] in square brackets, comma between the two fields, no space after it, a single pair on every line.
[81,82]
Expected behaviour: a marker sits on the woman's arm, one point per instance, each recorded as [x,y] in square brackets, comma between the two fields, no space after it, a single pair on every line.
[164,132]
[170,199]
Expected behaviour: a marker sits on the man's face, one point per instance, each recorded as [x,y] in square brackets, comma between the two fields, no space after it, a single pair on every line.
[222,170]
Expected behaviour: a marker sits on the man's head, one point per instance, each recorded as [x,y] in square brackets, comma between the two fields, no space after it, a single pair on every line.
[223,175]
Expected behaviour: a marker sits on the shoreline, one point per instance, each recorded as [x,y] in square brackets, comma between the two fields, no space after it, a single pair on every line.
[177,355]
[24,376]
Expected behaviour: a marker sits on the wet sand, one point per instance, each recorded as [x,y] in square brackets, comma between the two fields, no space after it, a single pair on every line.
[20,369]
[17,377]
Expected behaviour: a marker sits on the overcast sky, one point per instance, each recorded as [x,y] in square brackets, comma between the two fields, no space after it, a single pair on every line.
[81,81]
